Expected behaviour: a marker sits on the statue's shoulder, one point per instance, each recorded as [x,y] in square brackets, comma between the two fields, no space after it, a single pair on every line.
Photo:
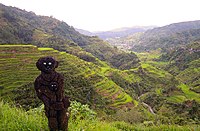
[38,78]
[59,75]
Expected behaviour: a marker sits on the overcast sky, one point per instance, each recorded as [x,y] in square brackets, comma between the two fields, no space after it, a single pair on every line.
[101,15]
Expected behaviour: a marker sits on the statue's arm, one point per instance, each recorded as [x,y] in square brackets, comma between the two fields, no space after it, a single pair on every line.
[60,92]
[41,95]
[65,99]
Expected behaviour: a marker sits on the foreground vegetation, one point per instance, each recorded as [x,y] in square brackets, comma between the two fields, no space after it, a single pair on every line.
[82,118]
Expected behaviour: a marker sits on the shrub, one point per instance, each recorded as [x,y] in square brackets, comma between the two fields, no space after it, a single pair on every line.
[132,116]
[79,111]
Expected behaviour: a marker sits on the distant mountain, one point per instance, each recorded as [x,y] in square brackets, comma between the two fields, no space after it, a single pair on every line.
[85,32]
[122,32]
[116,33]
[170,36]
[124,38]
[22,27]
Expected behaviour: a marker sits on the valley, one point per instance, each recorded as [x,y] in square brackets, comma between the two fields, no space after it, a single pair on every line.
[142,79]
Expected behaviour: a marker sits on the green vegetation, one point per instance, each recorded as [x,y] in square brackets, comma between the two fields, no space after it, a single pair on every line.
[184,64]
[168,37]
[83,80]
[81,118]
[189,94]
[105,89]
[12,118]
[155,90]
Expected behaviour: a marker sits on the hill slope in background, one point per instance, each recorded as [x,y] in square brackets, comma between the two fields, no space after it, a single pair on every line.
[19,26]
[122,32]
[85,32]
[170,36]
[184,63]
[116,33]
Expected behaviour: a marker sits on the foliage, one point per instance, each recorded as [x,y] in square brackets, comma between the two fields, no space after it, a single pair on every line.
[79,111]
[184,64]
[129,116]
[12,118]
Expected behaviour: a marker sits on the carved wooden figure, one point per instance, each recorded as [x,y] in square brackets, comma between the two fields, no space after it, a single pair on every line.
[49,86]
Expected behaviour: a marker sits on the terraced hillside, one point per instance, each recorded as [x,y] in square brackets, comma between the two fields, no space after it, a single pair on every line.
[148,87]
[184,64]
[84,81]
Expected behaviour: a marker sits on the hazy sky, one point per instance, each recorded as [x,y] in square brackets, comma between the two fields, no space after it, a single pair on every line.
[98,15]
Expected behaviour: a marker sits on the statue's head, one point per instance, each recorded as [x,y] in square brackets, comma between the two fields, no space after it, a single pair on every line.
[47,64]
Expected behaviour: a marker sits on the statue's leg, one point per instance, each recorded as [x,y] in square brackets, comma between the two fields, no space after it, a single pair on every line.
[63,120]
[52,120]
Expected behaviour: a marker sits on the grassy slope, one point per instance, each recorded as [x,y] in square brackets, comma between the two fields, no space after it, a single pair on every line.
[18,71]
[191,75]
[35,120]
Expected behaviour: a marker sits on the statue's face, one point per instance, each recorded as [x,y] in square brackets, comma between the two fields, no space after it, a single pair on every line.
[46,64]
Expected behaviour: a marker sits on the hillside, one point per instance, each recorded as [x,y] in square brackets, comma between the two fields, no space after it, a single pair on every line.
[170,36]
[22,27]
[84,81]
[105,89]
[184,63]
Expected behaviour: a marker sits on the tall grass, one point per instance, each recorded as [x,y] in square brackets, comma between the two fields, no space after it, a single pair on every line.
[17,119]
[12,119]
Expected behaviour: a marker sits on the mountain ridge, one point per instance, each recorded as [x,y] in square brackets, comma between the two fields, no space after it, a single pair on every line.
[169,36]
[118,32]
[20,26]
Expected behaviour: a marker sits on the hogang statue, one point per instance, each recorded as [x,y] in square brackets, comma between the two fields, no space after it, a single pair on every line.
[49,87]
